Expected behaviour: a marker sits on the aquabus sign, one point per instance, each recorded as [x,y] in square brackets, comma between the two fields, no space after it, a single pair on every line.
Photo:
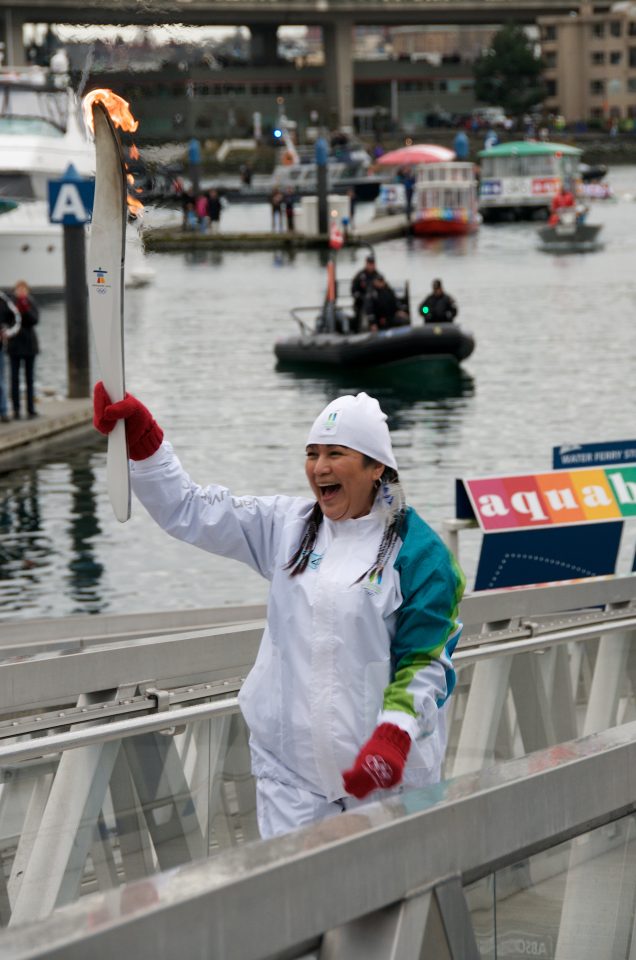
[553,499]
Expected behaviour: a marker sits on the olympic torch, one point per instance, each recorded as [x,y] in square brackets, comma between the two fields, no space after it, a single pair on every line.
[107,251]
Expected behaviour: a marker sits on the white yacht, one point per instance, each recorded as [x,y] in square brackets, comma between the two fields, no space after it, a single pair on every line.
[41,133]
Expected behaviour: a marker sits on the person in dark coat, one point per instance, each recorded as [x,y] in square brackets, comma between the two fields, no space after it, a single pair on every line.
[23,349]
[382,308]
[438,307]
[361,286]
[214,210]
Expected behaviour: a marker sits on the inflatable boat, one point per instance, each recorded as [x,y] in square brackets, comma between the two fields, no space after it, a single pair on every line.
[440,341]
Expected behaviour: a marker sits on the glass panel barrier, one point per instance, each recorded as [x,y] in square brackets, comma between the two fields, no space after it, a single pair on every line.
[98,816]
[575,901]
[509,705]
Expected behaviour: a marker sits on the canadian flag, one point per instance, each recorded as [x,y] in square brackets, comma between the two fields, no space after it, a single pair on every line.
[336,239]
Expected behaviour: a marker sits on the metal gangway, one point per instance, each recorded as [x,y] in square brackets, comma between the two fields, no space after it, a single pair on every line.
[127,811]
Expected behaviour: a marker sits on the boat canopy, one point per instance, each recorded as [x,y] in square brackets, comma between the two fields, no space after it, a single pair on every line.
[530,148]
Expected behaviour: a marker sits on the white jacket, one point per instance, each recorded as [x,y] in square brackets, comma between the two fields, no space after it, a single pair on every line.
[337,657]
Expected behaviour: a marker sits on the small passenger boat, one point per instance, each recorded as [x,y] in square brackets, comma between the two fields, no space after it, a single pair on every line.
[569,235]
[580,238]
[445,200]
[519,179]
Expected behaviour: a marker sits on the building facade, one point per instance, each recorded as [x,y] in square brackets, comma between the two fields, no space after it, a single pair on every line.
[590,63]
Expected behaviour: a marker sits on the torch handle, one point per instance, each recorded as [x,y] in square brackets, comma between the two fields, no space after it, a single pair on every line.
[117,472]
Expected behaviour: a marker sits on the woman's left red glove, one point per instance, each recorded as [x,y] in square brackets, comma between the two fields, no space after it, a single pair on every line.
[380,763]
[143,433]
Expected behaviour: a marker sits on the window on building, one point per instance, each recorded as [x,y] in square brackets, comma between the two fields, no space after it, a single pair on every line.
[632,28]
[550,32]
[615,28]
[550,58]
[596,113]
[616,56]
[597,87]
[551,88]
[615,113]
[442,86]
[632,56]
[631,84]
[598,29]
[598,58]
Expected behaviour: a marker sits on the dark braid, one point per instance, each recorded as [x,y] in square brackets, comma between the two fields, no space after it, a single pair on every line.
[394,502]
[300,559]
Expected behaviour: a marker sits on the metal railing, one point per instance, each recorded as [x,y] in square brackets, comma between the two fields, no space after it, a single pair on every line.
[385,880]
[99,738]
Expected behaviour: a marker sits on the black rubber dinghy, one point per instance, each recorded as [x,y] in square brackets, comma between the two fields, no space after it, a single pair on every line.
[356,350]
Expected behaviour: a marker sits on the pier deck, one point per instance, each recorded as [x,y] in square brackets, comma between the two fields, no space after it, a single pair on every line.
[58,422]
[174,239]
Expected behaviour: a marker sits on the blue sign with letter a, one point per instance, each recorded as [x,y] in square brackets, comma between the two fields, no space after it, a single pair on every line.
[71,198]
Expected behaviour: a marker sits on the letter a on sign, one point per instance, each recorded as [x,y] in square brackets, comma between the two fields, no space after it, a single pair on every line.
[69,204]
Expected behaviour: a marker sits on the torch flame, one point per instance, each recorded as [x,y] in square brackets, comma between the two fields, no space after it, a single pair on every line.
[135,207]
[118,109]
[120,113]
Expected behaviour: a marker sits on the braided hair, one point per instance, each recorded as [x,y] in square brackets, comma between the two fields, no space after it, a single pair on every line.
[394,505]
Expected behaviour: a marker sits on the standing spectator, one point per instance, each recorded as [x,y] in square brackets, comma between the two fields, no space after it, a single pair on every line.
[290,202]
[201,208]
[461,145]
[405,176]
[214,210]
[190,219]
[491,139]
[276,202]
[10,323]
[351,193]
[23,348]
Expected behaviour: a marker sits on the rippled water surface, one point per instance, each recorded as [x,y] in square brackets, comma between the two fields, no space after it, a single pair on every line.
[554,363]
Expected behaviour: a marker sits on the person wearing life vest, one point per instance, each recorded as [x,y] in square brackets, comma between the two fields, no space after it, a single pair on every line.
[347,698]
[564,198]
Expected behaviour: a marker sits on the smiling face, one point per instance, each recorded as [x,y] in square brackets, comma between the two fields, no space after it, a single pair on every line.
[342,480]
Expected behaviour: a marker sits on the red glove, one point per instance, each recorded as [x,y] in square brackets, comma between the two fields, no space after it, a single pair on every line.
[143,434]
[380,763]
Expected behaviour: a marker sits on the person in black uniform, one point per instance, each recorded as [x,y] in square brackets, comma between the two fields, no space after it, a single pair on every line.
[439,306]
[382,308]
[361,287]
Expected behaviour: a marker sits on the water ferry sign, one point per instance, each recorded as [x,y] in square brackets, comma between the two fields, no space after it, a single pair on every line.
[559,498]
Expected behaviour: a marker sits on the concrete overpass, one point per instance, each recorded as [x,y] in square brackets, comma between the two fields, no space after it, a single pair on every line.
[336,17]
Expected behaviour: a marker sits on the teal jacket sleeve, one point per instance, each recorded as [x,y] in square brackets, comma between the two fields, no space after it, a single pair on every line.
[427,630]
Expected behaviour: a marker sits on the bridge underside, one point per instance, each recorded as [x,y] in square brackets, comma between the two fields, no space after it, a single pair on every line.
[337,20]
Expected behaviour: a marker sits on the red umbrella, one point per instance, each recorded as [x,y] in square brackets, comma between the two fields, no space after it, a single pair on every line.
[416,153]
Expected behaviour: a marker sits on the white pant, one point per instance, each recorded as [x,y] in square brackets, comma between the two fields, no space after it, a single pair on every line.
[281,807]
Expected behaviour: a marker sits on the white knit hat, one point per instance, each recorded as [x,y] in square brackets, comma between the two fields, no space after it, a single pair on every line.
[356,422]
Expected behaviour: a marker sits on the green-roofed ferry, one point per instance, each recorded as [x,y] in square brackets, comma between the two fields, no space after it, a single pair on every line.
[519,179]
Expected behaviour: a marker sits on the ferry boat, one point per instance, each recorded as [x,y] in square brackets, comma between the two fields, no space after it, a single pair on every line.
[445,200]
[519,179]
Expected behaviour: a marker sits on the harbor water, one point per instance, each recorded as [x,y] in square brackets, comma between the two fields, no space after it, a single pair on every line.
[553,364]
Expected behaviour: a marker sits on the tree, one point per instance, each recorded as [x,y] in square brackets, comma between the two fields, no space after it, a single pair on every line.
[508,75]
